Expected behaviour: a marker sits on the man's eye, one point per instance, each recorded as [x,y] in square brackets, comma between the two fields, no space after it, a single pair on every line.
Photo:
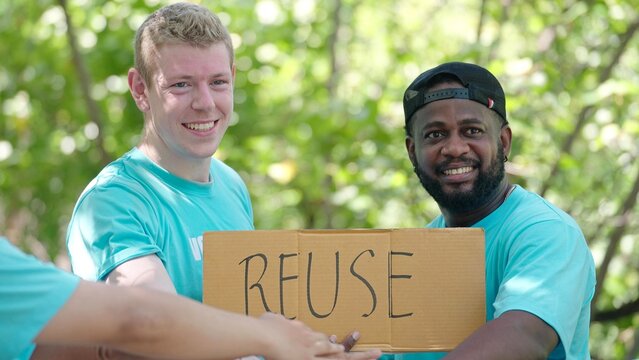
[219,82]
[181,84]
[474,131]
[433,135]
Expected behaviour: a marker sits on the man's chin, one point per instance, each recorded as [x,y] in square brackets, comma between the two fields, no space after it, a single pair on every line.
[456,198]
[458,189]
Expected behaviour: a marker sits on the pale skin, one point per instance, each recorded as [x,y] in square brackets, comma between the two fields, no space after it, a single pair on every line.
[190,87]
[455,129]
[163,326]
[187,107]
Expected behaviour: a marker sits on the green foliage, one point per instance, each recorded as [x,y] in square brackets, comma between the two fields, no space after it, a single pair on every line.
[318,133]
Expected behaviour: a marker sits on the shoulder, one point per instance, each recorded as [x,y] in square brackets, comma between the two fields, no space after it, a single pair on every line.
[532,224]
[38,290]
[120,188]
[122,177]
[222,171]
[527,208]
[30,268]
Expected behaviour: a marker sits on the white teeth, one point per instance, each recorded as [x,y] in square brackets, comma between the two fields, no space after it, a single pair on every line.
[200,126]
[458,171]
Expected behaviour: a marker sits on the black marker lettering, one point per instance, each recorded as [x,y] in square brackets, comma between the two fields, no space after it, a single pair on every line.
[257,284]
[392,276]
[308,287]
[368,285]
[282,279]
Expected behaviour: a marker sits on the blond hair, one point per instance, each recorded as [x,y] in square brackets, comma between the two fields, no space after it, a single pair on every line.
[184,23]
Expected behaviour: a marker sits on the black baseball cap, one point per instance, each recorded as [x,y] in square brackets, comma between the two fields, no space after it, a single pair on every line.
[479,85]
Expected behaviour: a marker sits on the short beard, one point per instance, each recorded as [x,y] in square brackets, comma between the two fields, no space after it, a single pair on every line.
[484,188]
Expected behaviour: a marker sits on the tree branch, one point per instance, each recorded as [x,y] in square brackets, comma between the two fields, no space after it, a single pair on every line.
[333,46]
[587,110]
[480,25]
[616,314]
[85,84]
[505,14]
[333,49]
[617,233]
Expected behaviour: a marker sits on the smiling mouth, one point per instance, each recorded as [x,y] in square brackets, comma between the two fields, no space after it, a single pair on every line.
[458,171]
[200,126]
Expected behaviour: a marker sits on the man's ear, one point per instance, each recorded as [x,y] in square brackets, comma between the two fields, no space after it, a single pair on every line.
[138,89]
[506,136]
[410,149]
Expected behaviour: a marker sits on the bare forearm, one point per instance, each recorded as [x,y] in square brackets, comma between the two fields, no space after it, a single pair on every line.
[63,352]
[192,332]
[154,324]
[515,335]
[67,352]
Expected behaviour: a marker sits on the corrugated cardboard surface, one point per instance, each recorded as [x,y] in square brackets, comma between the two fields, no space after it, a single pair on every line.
[403,289]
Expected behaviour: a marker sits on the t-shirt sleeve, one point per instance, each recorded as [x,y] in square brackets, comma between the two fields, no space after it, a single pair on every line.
[549,274]
[110,226]
[31,293]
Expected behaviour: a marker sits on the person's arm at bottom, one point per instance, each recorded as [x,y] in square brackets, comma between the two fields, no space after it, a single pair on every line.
[146,271]
[513,335]
[156,324]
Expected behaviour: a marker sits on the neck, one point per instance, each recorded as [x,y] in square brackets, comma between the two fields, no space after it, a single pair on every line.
[189,169]
[465,219]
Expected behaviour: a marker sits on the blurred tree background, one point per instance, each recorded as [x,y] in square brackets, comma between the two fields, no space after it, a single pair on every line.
[318,129]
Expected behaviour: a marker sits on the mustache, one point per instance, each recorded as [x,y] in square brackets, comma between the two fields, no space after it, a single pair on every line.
[466,161]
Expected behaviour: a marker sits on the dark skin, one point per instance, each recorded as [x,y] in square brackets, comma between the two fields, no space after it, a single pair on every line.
[452,141]
[349,341]
[454,129]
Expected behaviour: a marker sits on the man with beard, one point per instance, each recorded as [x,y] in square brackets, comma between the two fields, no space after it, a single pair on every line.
[540,275]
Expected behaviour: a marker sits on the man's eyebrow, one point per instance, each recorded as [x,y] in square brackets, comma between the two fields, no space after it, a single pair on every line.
[472,121]
[433,123]
[190,77]
[441,123]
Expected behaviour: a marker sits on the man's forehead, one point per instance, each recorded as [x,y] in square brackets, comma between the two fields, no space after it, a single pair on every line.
[183,49]
[179,55]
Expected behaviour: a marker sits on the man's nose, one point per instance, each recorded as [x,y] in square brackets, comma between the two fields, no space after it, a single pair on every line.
[203,98]
[455,146]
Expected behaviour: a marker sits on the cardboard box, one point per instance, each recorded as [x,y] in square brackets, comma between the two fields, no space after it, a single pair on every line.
[403,289]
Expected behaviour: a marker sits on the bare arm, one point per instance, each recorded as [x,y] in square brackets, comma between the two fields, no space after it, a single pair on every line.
[513,335]
[147,271]
[154,324]
[168,326]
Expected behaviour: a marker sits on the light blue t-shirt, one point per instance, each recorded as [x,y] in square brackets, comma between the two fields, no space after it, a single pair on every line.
[31,293]
[537,261]
[135,208]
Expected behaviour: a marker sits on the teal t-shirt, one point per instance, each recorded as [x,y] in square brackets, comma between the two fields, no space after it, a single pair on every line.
[537,261]
[31,293]
[135,208]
